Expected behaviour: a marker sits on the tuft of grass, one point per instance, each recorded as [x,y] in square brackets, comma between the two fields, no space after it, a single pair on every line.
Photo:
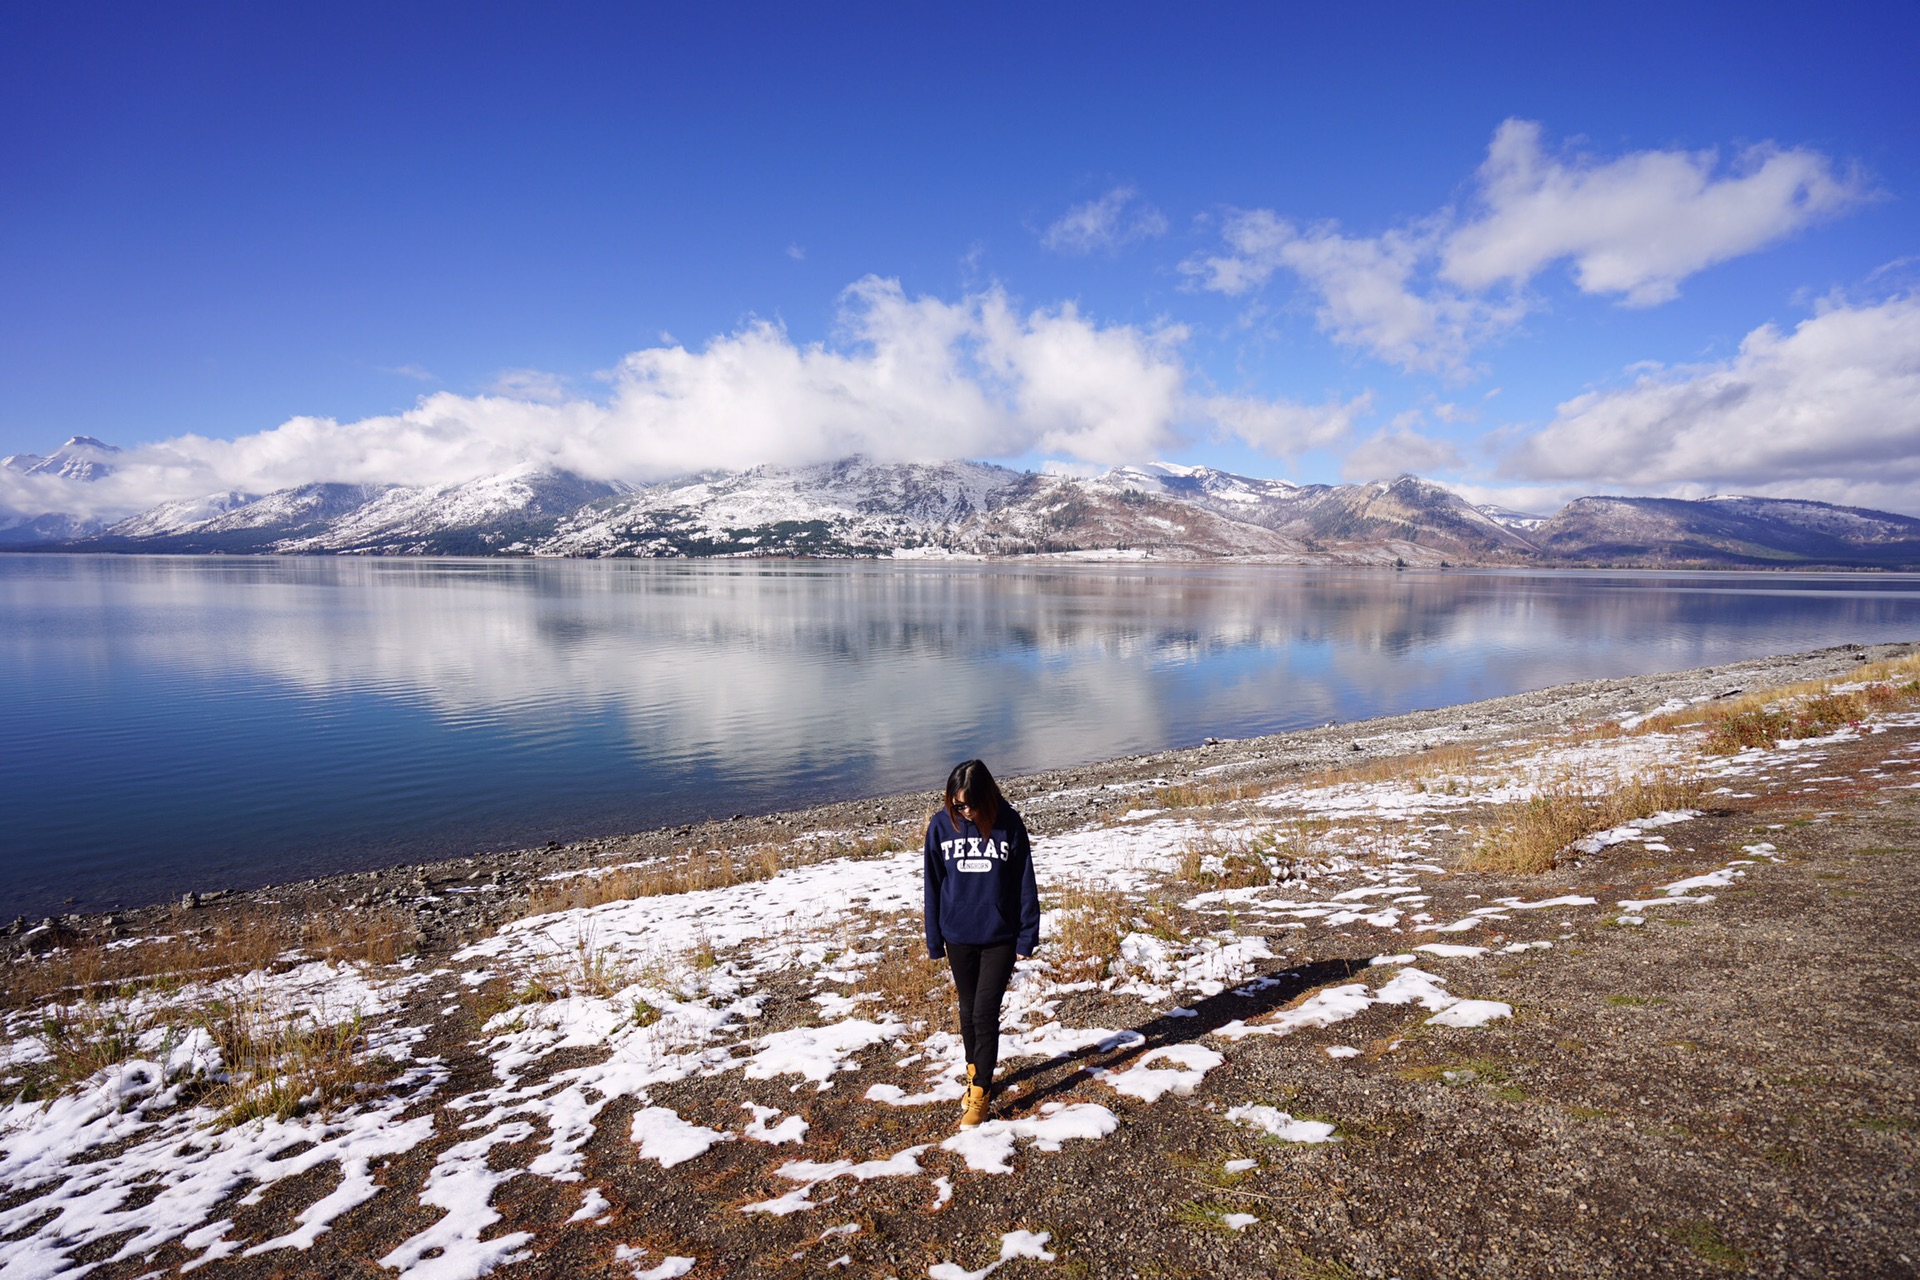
[1302,1267]
[1805,717]
[1705,1240]
[904,979]
[1087,931]
[1206,795]
[82,1038]
[1217,862]
[1449,769]
[1533,835]
[282,1063]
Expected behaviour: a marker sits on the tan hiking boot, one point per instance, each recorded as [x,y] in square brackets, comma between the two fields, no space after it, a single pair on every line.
[975,1109]
[963,1096]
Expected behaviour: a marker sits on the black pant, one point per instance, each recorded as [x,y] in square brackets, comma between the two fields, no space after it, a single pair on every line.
[980,974]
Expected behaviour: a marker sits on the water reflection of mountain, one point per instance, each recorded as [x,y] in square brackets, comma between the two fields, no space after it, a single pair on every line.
[311,705]
[517,639]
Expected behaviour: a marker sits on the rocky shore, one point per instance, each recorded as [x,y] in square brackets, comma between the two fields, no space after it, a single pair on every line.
[456,900]
[1285,1019]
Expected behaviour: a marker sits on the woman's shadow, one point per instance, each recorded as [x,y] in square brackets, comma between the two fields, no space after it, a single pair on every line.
[1258,995]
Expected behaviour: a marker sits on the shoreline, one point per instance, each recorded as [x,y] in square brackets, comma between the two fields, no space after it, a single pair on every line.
[1283,1001]
[453,901]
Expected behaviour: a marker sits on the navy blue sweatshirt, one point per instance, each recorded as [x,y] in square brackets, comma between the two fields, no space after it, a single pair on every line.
[980,888]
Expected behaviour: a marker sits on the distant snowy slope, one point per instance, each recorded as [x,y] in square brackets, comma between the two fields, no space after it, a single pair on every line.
[859,507]
[1757,531]
[1413,510]
[1058,514]
[1520,521]
[497,513]
[506,512]
[177,517]
[851,507]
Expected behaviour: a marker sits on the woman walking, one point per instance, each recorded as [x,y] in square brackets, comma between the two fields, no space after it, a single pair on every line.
[982,911]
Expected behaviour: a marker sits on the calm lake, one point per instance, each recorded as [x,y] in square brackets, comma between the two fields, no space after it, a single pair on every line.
[176,723]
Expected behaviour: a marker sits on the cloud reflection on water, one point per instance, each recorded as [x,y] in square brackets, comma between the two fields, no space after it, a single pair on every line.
[415,705]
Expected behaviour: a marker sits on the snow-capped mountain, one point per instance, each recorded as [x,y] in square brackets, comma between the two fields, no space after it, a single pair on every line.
[505,513]
[1727,530]
[858,507]
[81,458]
[851,507]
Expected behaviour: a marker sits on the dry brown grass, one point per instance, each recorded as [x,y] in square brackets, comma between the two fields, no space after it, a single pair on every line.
[1532,836]
[378,937]
[1808,708]
[85,994]
[1087,931]
[1207,795]
[81,1038]
[1230,862]
[280,1062]
[694,869]
[1411,768]
[236,942]
[1091,922]
[904,979]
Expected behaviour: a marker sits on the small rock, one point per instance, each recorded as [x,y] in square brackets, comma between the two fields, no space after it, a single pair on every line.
[189,900]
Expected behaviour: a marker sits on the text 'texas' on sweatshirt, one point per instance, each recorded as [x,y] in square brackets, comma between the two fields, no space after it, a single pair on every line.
[979,885]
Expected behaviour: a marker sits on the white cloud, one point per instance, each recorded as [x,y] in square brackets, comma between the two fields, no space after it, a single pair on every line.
[413,371]
[1116,219]
[908,378]
[1395,451]
[1425,295]
[1282,428]
[1831,408]
[797,252]
[1370,296]
[1639,225]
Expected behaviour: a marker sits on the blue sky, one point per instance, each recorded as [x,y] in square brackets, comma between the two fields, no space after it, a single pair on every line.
[1648,249]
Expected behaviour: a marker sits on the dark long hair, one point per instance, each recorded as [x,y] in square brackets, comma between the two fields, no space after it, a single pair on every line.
[971,779]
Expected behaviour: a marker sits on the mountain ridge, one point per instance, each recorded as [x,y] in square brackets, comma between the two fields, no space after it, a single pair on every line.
[856,507]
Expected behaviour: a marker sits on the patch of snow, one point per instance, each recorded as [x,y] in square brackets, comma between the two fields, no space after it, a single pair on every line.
[1014,1244]
[662,1135]
[792,1129]
[988,1147]
[1148,1083]
[1281,1125]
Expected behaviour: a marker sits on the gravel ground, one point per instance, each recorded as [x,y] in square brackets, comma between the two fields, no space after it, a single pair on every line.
[1732,1089]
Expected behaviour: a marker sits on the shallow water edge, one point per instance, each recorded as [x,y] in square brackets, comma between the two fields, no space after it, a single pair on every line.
[454,901]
